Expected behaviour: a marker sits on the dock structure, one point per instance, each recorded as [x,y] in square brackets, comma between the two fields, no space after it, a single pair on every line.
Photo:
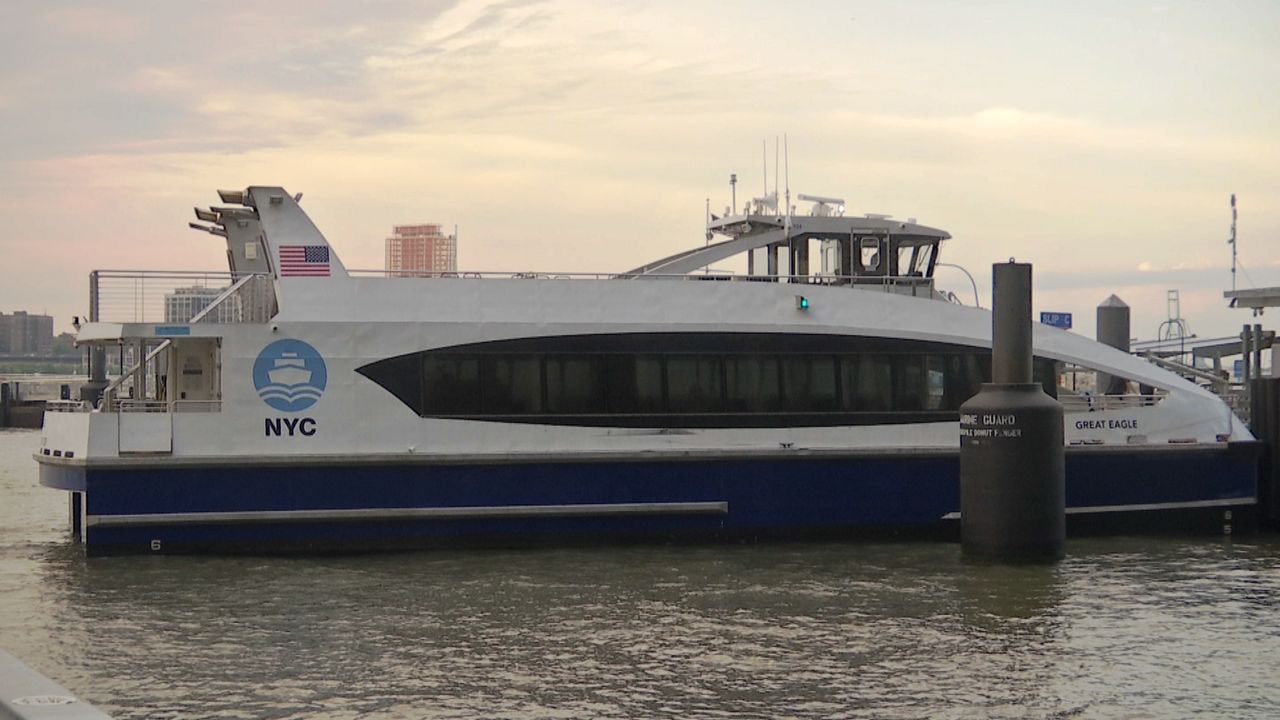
[1209,351]
[1264,396]
[22,403]
[27,695]
[1256,299]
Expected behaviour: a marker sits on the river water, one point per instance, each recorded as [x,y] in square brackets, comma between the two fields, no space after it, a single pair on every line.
[1123,628]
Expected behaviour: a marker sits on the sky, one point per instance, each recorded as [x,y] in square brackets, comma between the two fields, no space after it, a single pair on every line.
[1100,141]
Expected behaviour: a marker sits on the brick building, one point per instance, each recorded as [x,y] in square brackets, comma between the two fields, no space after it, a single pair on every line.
[25,334]
[423,249]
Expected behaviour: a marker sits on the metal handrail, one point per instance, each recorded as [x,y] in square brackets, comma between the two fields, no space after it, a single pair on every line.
[229,292]
[977,301]
[1072,402]
[207,405]
[145,406]
[67,406]
[818,279]
[1220,383]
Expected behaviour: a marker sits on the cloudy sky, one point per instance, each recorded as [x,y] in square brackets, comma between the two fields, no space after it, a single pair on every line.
[1098,140]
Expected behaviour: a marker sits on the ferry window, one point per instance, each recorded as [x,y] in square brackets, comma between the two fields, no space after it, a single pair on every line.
[451,383]
[401,377]
[868,383]
[512,384]
[575,384]
[693,384]
[751,383]
[810,383]
[869,254]
[906,254]
[661,380]
[922,260]
[961,379]
[635,383]
[978,371]
[909,388]
[935,380]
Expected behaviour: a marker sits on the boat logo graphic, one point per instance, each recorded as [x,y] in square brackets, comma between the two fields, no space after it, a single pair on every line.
[289,375]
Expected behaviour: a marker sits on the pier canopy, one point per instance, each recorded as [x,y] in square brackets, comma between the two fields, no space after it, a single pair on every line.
[1256,299]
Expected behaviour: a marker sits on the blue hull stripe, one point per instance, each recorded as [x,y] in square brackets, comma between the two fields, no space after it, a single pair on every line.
[397,505]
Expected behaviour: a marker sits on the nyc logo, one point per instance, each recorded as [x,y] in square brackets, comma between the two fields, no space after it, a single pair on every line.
[289,375]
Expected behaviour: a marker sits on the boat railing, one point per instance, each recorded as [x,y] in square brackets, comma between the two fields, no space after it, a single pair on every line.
[142,406]
[1075,402]
[251,299]
[901,283]
[67,406]
[173,297]
[164,296]
[1237,398]
[149,406]
[197,406]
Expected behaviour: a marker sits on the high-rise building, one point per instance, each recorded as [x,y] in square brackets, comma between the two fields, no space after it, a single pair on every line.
[185,303]
[424,249]
[24,334]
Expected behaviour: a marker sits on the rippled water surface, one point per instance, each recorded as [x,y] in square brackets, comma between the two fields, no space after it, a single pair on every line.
[1124,628]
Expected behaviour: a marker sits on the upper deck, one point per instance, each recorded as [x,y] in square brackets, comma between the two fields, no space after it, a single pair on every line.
[272,246]
[172,332]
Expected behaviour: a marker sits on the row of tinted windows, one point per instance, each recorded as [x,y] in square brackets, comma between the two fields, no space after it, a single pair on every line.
[675,385]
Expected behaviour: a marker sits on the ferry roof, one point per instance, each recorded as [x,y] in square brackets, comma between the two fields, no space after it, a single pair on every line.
[752,231]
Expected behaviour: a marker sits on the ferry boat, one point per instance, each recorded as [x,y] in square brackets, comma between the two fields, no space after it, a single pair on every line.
[308,407]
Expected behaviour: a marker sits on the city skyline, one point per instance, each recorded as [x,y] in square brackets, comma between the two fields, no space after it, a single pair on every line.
[1099,142]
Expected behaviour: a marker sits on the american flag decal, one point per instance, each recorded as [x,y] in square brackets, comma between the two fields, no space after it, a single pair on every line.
[304,261]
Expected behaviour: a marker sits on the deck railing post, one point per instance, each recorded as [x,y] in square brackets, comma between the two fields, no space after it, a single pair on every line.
[91,391]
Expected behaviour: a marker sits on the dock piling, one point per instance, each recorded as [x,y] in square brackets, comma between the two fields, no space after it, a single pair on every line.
[1012,460]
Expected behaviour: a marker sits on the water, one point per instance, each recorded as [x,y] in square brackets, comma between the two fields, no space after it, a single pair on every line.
[1124,628]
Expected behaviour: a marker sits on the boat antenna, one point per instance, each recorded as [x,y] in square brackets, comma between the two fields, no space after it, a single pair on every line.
[733,191]
[786,159]
[776,165]
[1232,242]
[764,156]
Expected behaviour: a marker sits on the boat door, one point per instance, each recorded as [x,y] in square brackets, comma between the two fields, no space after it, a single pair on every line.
[188,379]
[194,383]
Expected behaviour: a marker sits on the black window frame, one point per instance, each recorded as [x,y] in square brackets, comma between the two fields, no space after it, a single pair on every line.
[962,367]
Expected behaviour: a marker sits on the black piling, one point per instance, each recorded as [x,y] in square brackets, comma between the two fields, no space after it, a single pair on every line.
[1264,421]
[1112,329]
[4,404]
[1012,461]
